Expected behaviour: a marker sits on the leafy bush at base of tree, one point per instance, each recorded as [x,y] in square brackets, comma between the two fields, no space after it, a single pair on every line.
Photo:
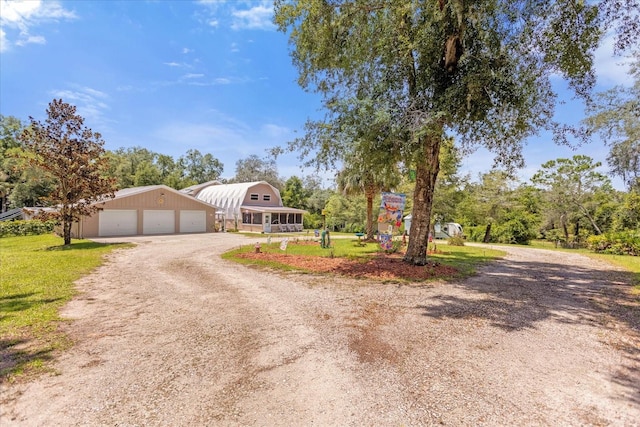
[30,227]
[617,243]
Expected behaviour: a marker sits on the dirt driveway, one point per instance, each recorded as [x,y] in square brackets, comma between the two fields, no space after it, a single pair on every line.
[168,334]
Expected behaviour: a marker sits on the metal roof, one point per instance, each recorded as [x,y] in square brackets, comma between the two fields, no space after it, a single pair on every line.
[229,197]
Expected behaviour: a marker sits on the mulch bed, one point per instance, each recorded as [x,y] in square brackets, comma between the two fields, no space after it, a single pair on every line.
[381,266]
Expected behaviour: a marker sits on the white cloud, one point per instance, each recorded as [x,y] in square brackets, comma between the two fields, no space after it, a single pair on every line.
[186,50]
[611,70]
[256,18]
[31,40]
[213,23]
[234,47]
[192,76]
[20,17]
[275,132]
[4,43]
[90,103]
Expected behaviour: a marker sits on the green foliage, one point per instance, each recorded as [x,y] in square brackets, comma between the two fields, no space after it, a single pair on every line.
[312,221]
[26,228]
[456,240]
[615,116]
[253,168]
[574,189]
[474,233]
[36,280]
[627,216]
[295,194]
[618,243]
[517,228]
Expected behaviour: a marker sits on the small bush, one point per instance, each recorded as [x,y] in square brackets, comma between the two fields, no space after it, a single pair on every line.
[456,240]
[30,227]
[618,243]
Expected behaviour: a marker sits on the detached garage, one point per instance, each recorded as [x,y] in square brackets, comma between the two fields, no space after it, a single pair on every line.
[154,209]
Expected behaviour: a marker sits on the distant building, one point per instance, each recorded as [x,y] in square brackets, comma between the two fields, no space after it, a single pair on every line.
[249,206]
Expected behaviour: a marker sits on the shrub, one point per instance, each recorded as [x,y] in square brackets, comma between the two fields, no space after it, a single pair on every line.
[26,228]
[517,229]
[456,240]
[617,243]
[475,233]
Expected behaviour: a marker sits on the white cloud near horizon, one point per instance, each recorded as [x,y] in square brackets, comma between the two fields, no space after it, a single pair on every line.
[90,103]
[21,17]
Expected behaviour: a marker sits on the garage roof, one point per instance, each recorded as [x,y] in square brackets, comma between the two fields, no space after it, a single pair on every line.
[132,191]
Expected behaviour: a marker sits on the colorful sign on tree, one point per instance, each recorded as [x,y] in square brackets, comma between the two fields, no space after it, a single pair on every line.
[391,209]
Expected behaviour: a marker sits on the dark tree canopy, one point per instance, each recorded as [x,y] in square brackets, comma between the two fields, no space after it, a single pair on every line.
[74,157]
[478,69]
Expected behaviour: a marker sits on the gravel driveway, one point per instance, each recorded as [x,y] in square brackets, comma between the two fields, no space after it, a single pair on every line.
[168,334]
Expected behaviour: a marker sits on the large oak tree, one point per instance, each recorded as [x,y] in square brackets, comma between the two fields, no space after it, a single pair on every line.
[480,70]
[74,157]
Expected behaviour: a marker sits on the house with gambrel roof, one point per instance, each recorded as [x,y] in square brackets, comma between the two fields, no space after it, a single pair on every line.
[249,206]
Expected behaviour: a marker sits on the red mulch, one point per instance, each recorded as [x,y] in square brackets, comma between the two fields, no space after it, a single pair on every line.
[382,266]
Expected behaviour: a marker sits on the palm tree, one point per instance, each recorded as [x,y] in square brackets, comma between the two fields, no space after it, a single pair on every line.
[364,172]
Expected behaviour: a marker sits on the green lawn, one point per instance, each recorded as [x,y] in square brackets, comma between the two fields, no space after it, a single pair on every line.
[36,279]
[464,258]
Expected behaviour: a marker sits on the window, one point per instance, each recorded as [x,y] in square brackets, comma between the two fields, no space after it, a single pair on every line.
[246,218]
[254,196]
[266,197]
[257,218]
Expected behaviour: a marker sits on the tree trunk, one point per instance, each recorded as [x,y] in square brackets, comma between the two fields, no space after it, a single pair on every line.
[66,227]
[487,234]
[426,173]
[67,222]
[370,230]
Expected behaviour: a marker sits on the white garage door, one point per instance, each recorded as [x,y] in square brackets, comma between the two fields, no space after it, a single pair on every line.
[158,222]
[193,221]
[116,222]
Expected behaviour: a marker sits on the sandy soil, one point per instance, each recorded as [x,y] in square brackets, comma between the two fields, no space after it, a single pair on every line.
[167,333]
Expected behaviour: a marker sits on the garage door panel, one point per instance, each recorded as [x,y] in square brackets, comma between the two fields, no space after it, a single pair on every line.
[158,222]
[117,222]
[193,221]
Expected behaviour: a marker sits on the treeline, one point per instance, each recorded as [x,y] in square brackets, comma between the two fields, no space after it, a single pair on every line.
[567,201]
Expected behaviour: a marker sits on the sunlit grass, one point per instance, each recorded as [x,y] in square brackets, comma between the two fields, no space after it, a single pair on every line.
[464,258]
[36,280]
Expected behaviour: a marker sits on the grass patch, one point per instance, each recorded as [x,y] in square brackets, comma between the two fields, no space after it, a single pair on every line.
[464,259]
[629,263]
[36,280]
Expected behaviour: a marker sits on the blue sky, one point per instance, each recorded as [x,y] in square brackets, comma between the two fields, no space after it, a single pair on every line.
[171,76]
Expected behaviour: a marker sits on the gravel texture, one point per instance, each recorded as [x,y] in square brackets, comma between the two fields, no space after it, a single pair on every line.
[168,334]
